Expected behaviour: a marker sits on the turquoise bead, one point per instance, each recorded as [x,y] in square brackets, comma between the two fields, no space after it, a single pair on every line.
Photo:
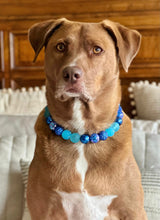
[75,138]
[85,138]
[110,131]
[46,113]
[115,126]
[66,134]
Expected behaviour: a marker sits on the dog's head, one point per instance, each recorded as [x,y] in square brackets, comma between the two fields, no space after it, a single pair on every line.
[82,58]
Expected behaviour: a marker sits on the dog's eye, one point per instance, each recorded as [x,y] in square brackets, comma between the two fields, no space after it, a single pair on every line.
[97,50]
[61,47]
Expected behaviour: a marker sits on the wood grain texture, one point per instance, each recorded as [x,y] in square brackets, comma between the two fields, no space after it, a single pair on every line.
[22,54]
[1,53]
[41,8]
[16,67]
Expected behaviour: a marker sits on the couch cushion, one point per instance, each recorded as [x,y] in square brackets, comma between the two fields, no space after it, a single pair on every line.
[17,140]
[146,144]
[22,102]
[146,99]
[151,186]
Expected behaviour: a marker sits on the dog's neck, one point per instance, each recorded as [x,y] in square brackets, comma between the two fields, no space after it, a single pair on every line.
[101,113]
[91,116]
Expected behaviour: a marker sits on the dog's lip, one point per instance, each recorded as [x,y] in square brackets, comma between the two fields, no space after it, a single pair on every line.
[73,90]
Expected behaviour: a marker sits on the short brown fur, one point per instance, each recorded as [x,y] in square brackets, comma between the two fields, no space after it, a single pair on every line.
[112,169]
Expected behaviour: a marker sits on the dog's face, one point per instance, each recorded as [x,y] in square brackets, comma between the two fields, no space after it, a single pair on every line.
[81,59]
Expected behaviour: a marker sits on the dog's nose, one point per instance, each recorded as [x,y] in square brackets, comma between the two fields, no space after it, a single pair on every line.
[72,74]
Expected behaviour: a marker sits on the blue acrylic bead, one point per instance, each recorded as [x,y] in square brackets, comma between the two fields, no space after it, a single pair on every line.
[84,138]
[48,119]
[115,126]
[46,113]
[120,115]
[119,109]
[66,134]
[110,131]
[52,125]
[58,130]
[119,121]
[75,138]
[94,138]
[103,135]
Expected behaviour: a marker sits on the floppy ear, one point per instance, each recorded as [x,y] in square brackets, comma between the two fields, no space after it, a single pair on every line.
[126,40]
[39,34]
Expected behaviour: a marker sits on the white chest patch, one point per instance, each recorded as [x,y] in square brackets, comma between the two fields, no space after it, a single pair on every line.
[81,206]
[81,163]
[77,121]
[79,124]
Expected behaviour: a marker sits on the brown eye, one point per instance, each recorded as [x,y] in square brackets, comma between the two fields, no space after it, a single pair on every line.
[60,47]
[97,50]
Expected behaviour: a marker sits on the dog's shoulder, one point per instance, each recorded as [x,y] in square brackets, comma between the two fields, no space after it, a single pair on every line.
[41,127]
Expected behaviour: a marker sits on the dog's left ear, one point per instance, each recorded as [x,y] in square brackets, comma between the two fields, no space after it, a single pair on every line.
[126,40]
[39,33]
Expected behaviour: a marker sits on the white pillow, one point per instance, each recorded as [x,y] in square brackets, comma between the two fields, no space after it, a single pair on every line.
[24,171]
[151,187]
[17,140]
[145,99]
[22,102]
[146,144]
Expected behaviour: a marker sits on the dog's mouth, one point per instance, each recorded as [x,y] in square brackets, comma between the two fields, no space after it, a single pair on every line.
[73,90]
[64,93]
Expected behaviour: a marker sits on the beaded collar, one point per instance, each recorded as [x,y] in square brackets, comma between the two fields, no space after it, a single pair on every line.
[84,138]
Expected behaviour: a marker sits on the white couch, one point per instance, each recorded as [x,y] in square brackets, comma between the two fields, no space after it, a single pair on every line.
[18,113]
[17,141]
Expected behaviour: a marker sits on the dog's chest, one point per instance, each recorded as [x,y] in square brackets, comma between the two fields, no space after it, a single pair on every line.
[81,206]
[78,123]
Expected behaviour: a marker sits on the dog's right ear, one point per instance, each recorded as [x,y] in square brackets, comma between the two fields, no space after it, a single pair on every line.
[39,34]
[127,41]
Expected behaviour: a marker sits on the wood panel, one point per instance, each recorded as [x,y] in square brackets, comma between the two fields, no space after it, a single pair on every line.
[1,59]
[39,8]
[147,19]
[16,54]
[22,54]
[1,53]
[19,82]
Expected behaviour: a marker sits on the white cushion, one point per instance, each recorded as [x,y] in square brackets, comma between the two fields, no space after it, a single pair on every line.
[24,170]
[146,100]
[146,144]
[151,186]
[17,140]
[22,102]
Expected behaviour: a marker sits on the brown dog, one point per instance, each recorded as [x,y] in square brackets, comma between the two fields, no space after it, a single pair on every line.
[75,181]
